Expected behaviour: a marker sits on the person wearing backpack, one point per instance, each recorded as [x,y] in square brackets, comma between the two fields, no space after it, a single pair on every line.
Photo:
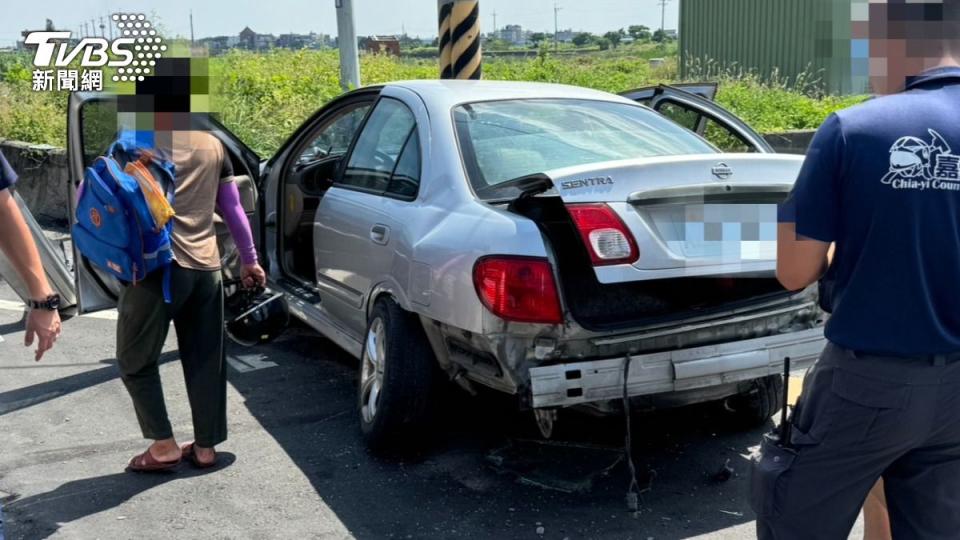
[204,183]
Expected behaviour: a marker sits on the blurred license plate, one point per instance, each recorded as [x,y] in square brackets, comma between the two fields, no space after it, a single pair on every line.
[724,232]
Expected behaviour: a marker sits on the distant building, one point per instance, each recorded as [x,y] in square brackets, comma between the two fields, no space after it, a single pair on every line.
[297,41]
[383,44]
[514,34]
[566,36]
[219,44]
[256,42]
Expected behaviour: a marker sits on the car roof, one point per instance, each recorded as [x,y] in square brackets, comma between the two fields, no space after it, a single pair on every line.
[445,94]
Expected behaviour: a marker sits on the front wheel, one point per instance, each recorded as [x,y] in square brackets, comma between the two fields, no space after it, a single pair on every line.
[398,380]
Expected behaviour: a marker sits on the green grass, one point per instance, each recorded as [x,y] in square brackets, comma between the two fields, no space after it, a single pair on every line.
[264,97]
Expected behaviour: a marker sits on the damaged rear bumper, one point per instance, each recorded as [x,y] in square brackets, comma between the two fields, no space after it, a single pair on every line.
[562,385]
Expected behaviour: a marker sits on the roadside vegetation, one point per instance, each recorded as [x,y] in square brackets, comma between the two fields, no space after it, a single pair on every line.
[263,97]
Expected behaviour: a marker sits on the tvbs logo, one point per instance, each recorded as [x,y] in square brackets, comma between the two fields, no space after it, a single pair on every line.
[94,50]
[134,52]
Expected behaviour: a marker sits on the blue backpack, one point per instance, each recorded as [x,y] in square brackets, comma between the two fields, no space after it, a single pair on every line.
[114,227]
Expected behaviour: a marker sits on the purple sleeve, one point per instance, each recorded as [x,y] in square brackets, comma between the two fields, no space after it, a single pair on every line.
[228,200]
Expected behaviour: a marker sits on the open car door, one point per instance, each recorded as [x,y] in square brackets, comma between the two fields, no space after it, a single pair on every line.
[93,123]
[55,262]
[692,107]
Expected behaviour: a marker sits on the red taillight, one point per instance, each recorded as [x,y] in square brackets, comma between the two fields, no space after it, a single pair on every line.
[518,289]
[607,238]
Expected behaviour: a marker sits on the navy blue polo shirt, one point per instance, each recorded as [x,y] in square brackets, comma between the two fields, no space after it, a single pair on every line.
[7,175]
[882,180]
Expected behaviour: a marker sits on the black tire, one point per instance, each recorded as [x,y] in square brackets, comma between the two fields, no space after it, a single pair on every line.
[757,405]
[408,385]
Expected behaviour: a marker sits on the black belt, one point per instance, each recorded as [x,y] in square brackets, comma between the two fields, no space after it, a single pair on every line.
[933,359]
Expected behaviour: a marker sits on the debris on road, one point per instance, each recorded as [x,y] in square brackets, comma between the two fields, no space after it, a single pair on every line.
[553,465]
[724,474]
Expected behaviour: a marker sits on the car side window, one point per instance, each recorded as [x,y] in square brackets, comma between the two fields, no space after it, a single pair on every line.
[378,148]
[405,181]
[719,135]
[334,138]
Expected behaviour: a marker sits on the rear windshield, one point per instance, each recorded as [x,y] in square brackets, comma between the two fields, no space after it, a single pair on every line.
[506,140]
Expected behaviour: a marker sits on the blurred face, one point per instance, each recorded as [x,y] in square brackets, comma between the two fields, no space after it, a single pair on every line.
[906,38]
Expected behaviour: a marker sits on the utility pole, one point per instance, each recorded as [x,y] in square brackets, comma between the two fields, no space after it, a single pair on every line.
[86,29]
[556,26]
[103,28]
[110,27]
[93,27]
[495,31]
[347,39]
[663,18]
[191,29]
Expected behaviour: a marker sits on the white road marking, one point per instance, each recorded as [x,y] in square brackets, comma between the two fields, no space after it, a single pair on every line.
[109,315]
[249,362]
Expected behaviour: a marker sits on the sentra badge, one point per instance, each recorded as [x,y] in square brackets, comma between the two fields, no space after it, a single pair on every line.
[596,181]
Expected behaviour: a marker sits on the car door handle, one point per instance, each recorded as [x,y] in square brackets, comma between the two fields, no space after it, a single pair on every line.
[380,234]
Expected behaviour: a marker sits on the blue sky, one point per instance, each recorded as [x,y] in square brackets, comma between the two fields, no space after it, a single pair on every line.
[224,17]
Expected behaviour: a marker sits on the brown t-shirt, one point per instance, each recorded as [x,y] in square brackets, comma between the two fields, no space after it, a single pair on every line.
[201,165]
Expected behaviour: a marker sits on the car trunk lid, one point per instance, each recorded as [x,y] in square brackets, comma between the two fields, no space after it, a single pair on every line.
[691,216]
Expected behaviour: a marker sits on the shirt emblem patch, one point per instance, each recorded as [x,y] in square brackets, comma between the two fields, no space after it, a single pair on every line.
[915,164]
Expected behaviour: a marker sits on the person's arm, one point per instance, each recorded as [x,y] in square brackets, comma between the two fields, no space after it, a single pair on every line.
[810,216]
[228,201]
[16,242]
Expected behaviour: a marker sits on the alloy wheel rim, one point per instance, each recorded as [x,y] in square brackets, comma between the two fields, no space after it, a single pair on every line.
[371,374]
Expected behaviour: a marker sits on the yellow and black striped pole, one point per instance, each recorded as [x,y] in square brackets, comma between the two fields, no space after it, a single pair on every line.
[445,7]
[465,38]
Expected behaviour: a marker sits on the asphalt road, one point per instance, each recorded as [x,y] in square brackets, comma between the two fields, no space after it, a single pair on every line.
[295,466]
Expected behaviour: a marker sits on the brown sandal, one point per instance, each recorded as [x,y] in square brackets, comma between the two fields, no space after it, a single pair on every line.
[145,462]
[187,451]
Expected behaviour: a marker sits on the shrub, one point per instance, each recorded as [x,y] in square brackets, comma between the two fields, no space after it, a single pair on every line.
[264,97]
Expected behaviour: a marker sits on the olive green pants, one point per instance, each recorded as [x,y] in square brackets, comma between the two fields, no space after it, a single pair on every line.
[197,314]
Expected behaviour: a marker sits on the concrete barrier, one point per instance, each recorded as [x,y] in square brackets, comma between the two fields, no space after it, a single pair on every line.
[43,179]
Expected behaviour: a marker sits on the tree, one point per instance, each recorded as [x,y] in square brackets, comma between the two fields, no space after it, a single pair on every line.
[582,39]
[604,43]
[537,37]
[613,37]
[639,32]
[660,36]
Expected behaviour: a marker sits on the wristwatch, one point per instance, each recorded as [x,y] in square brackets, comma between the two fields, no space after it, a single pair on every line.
[50,303]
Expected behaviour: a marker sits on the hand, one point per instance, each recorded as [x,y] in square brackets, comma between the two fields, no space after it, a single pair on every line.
[45,325]
[252,275]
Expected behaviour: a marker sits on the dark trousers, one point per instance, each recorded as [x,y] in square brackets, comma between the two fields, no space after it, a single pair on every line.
[197,314]
[862,416]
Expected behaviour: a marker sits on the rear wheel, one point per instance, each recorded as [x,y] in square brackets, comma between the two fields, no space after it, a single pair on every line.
[398,380]
[754,407]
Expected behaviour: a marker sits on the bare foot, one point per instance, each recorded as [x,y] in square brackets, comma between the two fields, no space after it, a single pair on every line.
[200,456]
[205,456]
[165,450]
